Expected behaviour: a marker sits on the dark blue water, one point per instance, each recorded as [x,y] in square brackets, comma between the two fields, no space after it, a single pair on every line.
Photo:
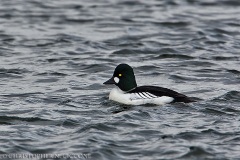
[55,55]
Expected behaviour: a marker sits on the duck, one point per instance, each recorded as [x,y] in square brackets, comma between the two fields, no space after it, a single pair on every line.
[127,92]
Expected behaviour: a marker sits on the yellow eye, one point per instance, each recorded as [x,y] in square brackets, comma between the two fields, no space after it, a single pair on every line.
[120,75]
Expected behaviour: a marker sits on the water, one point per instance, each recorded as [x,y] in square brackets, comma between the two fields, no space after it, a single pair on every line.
[55,55]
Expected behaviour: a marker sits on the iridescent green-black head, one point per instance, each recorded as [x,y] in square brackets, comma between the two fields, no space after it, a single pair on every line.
[123,77]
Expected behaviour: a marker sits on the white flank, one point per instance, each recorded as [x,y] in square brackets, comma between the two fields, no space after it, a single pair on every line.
[137,98]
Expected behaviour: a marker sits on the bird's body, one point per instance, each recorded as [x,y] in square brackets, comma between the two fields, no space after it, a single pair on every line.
[137,98]
[127,91]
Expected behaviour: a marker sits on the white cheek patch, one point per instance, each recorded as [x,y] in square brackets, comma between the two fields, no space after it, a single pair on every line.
[116,79]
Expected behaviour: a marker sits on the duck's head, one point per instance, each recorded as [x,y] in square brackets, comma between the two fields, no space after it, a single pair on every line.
[123,77]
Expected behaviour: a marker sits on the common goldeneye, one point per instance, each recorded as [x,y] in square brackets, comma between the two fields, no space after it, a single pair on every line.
[127,91]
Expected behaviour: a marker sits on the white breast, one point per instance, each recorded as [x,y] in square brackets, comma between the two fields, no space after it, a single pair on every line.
[138,98]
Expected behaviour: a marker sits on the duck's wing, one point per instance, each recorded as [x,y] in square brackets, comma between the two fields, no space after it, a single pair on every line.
[154,92]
